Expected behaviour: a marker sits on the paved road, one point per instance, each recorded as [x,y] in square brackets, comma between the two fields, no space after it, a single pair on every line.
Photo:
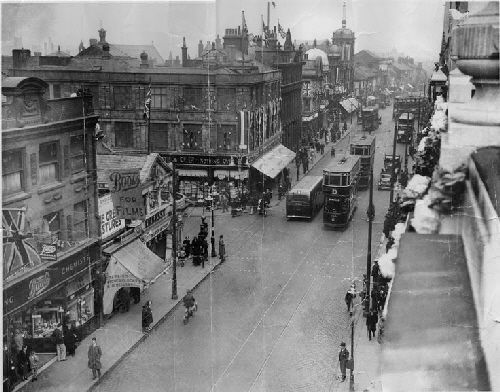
[272,317]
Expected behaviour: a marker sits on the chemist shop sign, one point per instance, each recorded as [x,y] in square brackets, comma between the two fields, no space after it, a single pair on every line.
[37,285]
[110,223]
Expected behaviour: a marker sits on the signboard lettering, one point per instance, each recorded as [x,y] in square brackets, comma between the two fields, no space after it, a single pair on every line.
[48,252]
[126,193]
[110,223]
[208,160]
[38,285]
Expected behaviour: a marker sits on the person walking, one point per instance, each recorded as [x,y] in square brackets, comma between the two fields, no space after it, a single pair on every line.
[349,298]
[33,362]
[70,339]
[343,359]
[222,249]
[60,347]
[23,364]
[371,324]
[147,317]
[94,356]
[224,201]
[17,343]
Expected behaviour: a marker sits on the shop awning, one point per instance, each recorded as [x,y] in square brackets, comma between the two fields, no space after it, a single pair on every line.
[274,161]
[231,173]
[350,104]
[134,265]
[192,173]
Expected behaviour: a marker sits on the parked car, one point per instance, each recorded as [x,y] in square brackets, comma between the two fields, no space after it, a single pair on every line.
[384,182]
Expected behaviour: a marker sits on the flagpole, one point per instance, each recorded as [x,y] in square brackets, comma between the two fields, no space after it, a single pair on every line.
[242,36]
[149,122]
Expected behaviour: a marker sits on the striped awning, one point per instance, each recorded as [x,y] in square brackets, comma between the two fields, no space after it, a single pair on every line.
[274,161]
[192,173]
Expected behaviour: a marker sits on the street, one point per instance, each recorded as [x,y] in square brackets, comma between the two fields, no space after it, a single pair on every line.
[272,317]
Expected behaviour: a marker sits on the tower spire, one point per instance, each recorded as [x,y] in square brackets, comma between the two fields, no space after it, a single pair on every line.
[344,16]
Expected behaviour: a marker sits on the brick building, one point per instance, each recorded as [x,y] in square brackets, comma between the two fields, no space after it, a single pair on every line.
[51,247]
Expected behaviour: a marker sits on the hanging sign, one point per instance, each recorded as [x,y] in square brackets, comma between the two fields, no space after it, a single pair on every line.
[126,193]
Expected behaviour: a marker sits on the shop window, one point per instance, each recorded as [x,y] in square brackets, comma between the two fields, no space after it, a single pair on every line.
[159,136]
[45,316]
[49,162]
[192,137]
[124,134]
[159,99]
[12,171]
[77,153]
[80,221]
[80,301]
[226,98]
[122,97]
[193,98]
[51,228]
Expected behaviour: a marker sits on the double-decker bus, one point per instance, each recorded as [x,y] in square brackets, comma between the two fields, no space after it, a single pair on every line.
[406,127]
[369,117]
[306,198]
[364,147]
[340,190]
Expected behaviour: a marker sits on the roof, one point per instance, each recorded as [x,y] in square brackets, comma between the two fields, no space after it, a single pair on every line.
[121,161]
[342,164]
[343,32]
[431,334]
[364,140]
[400,66]
[135,51]
[362,73]
[13,83]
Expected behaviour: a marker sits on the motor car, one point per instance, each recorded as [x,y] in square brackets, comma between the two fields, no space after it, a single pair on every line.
[384,182]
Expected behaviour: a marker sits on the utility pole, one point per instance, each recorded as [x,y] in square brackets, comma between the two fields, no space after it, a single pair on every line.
[174,233]
[371,213]
[351,376]
[212,239]
[409,137]
[393,166]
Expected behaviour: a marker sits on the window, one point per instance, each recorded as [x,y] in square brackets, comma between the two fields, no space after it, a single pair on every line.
[77,152]
[159,136]
[124,134]
[49,162]
[122,97]
[191,137]
[51,228]
[226,98]
[159,98]
[105,97]
[56,91]
[193,98]
[80,218]
[227,138]
[12,171]
[139,97]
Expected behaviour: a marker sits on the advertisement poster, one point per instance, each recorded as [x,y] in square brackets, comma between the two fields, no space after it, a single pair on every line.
[126,193]
[110,223]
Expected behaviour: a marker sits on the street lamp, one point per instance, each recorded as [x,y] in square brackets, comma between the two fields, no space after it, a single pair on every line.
[174,233]
[393,168]
[371,214]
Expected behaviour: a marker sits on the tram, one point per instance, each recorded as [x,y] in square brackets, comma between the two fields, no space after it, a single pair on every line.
[370,118]
[305,199]
[340,190]
[364,147]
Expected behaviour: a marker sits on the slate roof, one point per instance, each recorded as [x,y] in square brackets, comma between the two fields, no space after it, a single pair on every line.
[135,51]
[362,73]
[145,162]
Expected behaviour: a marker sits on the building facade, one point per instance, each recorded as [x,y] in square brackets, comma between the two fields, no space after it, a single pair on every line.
[51,246]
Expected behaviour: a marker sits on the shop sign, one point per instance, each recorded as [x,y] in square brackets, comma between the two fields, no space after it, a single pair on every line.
[155,217]
[126,193]
[110,223]
[48,252]
[151,234]
[36,285]
[212,160]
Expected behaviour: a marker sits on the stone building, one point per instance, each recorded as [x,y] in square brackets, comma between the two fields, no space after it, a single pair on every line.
[51,248]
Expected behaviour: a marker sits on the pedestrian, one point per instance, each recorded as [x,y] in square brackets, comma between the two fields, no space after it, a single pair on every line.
[147,317]
[70,339]
[343,359]
[18,342]
[9,369]
[135,294]
[371,324]
[375,271]
[204,257]
[223,201]
[381,326]
[33,362]
[94,356]
[322,147]
[60,347]
[349,298]
[222,248]
[23,364]
[370,213]
[332,152]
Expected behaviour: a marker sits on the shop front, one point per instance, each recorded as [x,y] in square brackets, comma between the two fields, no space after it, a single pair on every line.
[131,265]
[60,294]
[267,167]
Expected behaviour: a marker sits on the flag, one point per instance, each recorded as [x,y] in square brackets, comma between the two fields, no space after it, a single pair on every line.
[147,104]
[264,27]
[245,27]
[281,31]
[274,4]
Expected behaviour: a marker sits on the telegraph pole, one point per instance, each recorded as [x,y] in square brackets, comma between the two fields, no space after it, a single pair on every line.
[393,166]
[371,213]
[174,233]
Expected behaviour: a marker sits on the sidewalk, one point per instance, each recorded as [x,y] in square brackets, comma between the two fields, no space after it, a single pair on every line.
[123,332]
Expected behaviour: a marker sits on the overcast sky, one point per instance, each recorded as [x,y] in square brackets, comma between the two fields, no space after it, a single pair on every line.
[412,26]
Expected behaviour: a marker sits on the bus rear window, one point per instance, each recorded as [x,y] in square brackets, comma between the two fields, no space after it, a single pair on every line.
[298,198]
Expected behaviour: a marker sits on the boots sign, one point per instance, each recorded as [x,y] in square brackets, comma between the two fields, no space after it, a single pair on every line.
[126,193]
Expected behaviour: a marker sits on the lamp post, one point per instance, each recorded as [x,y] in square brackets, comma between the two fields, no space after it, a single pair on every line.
[174,233]
[393,166]
[351,375]
[371,214]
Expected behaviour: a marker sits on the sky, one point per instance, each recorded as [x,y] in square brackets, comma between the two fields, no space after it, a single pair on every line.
[414,27]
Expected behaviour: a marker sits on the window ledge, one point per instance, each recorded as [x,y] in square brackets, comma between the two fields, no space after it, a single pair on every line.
[16,197]
[50,187]
[78,177]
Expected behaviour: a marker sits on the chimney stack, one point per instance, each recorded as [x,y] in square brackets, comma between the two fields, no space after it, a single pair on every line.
[105,55]
[20,57]
[218,44]
[144,59]
[184,52]
[200,48]
[93,41]
[102,36]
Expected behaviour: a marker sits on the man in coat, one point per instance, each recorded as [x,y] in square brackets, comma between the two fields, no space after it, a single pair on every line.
[371,324]
[94,356]
[343,359]
[147,317]
[60,347]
